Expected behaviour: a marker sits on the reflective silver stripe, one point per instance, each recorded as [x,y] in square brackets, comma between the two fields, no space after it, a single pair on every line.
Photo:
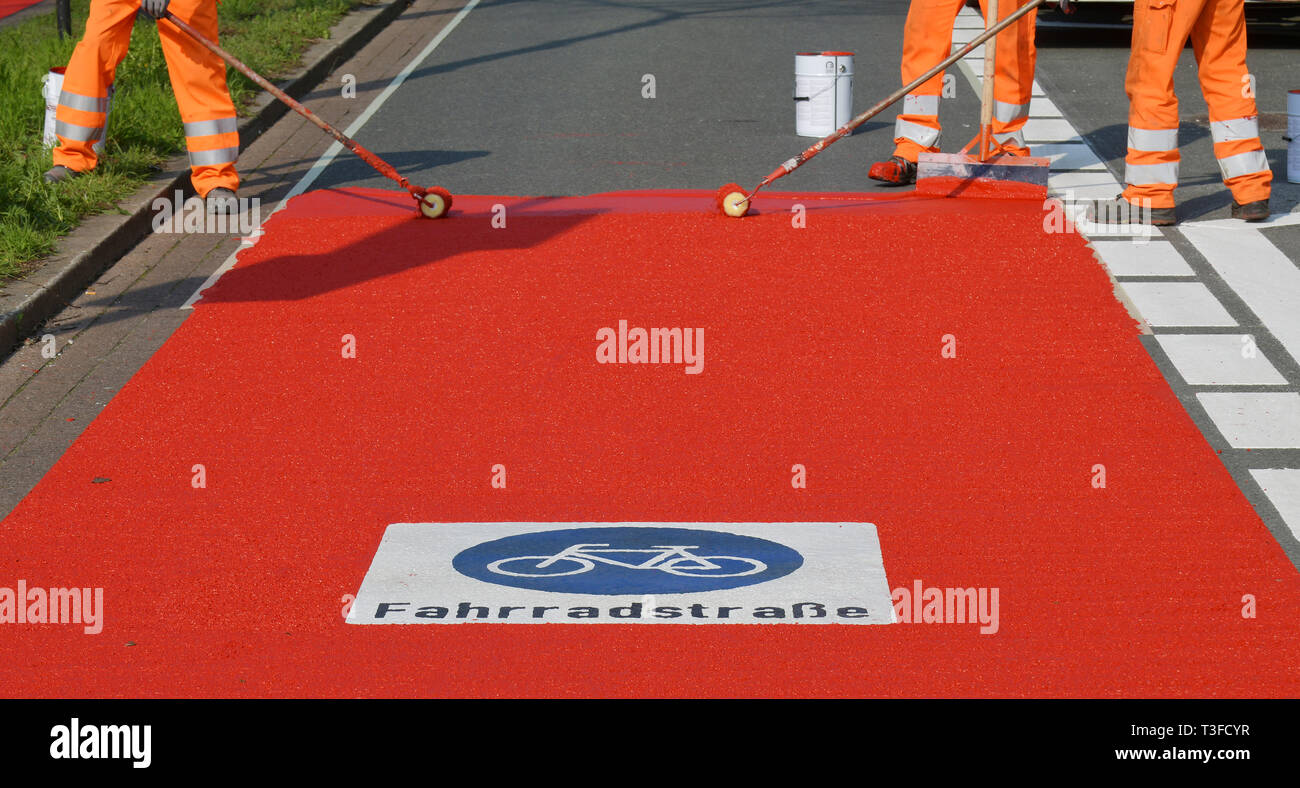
[1011,136]
[79,133]
[1152,139]
[207,158]
[1142,174]
[1233,130]
[1010,113]
[924,136]
[917,104]
[83,103]
[1243,164]
[205,128]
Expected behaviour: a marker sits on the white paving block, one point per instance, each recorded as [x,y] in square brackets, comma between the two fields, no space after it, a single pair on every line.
[1255,420]
[1177,304]
[1156,258]
[1067,156]
[1219,359]
[1084,184]
[1050,130]
[1260,273]
[1282,486]
[1043,107]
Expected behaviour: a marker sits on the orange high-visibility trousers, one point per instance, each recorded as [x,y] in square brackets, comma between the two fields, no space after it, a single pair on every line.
[198,79]
[1218,32]
[927,40]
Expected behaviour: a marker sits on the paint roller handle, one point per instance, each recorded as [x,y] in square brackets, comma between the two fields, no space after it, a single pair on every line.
[990,73]
[343,139]
[798,161]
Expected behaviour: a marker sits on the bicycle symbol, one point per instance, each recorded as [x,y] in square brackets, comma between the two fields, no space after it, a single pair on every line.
[672,559]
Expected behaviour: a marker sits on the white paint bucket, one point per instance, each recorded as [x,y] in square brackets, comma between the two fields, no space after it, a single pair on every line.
[52,86]
[1293,132]
[823,92]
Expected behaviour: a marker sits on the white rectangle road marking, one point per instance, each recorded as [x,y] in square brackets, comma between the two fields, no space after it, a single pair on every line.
[1177,304]
[1043,107]
[1282,486]
[1092,185]
[1051,130]
[1157,258]
[626,573]
[1253,420]
[1068,156]
[1219,359]
[1259,273]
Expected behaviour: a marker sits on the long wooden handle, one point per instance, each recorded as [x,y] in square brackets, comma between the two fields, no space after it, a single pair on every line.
[990,50]
[383,167]
[790,165]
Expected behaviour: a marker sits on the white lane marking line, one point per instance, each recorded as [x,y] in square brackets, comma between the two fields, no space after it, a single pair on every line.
[1255,420]
[1157,258]
[351,131]
[1219,360]
[1177,304]
[1282,487]
[330,153]
[1259,273]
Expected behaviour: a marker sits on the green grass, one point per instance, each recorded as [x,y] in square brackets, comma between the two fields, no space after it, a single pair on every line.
[144,128]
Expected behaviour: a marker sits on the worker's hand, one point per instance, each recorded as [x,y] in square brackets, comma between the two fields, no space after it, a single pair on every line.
[155,8]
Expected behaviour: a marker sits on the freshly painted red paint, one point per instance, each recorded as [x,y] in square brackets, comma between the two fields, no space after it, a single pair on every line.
[475,346]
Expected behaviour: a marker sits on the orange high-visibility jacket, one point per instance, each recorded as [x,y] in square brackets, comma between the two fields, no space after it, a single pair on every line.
[927,40]
[198,79]
[1218,32]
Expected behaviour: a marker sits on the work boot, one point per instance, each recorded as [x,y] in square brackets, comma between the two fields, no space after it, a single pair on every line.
[222,201]
[897,170]
[58,174]
[1121,211]
[1256,211]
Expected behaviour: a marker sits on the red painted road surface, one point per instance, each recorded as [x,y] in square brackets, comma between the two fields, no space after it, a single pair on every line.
[8,7]
[476,346]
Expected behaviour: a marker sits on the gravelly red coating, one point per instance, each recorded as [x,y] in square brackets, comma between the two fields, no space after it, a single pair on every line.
[8,7]
[476,346]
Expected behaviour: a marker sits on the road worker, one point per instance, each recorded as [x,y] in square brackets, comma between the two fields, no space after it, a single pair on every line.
[1218,32]
[198,79]
[927,41]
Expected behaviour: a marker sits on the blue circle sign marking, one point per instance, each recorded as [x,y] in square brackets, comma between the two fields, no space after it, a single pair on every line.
[622,560]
